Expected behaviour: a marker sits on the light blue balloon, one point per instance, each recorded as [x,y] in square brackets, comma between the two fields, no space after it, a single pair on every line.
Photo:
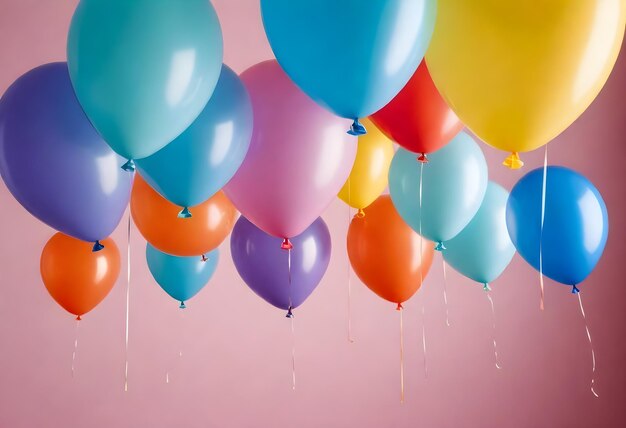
[143,70]
[350,56]
[454,184]
[198,163]
[483,249]
[181,277]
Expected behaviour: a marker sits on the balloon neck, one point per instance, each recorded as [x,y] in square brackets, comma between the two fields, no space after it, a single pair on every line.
[360,213]
[129,166]
[357,128]
[286,245]
[439,246]
[486,287]
[78,318]
[289,313]
[423,158]
[97,246]
[182,305]
[513,161]
[204,258]
[399,307]
[184,213]
[575,289]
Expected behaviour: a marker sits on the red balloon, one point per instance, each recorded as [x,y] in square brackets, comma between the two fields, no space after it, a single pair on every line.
[418,118]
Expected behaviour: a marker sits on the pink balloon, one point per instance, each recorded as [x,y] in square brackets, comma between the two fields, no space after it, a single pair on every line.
[299,158]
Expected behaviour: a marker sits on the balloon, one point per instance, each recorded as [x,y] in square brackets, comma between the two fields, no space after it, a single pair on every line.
[350,56]
[483,249]
[386,254]
[368,178]
[299,156]
[53,161]
[192,168]
[282,278]
[575,227]
[143,70]
[418,118]
[156,219]
[516,76]
[181,277]
[454,184]
[77,278]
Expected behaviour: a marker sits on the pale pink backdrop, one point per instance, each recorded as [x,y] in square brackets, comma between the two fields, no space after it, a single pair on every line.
[236,369]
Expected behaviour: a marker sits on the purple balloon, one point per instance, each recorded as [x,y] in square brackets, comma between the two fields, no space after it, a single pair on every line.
[54,162]
[264,266]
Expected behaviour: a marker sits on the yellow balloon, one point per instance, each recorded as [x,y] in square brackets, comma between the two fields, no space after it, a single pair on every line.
[519,72]
[368,178]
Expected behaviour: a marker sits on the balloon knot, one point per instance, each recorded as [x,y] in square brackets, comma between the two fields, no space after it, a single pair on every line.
[184,213]
[360,213]
[129,166]
[423,158]
[289,313]
[486,287]
[286,245]
[204,258]
[399,307]
[182,305]
[78,318]
[439,246]
[97,246]
[575,289]
[513,161]
[357,128]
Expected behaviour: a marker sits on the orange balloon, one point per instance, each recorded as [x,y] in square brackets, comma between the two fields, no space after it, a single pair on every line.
[75,276]
[385,252]
[157,220]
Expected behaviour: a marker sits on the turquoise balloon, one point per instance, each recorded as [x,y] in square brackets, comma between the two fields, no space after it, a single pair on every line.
[143,70]
[198,163]
[181,277]
[483,249]
[453,186]
[350,56]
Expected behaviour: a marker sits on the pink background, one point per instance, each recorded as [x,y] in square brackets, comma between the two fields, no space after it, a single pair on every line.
[236,368]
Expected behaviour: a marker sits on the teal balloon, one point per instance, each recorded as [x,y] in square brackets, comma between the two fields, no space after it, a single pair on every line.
[143,70]
[483,249]
[198,163]
[181,277]
[453,185]
[350,56]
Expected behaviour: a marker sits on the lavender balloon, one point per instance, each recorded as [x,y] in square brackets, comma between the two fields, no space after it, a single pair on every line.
[264,266]
[54,162]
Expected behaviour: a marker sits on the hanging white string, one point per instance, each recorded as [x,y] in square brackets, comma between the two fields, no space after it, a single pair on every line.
[593,354]
[543,216]
[350,338]
[421,269]
[445,293]
[493,320]
[293,328]
[180,337]
[401,356]
[127,302]
[75,344]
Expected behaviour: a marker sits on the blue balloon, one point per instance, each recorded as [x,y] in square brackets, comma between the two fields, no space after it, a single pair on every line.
[54,162]
[198,163]
[483,249]
[454,184]
[181,277]
[350,56]
[575,228]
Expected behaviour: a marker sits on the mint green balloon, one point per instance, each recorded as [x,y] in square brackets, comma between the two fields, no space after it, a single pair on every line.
[143,70]
[483,249]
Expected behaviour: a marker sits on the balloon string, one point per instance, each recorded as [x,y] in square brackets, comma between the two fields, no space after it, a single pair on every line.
[593,354]
[445,294]
[401,356]
[493,320]
[424,341]
[128,253]
[350,338]
[293,354]
[289,275]
[179,335]
[421,269]
[543,216]
[75,345]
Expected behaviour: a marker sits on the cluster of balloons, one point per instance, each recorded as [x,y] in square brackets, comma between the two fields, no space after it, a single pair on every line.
[153,95]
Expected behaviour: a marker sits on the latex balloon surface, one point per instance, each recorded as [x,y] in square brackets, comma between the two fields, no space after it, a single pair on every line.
[389,257]
[77,278]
